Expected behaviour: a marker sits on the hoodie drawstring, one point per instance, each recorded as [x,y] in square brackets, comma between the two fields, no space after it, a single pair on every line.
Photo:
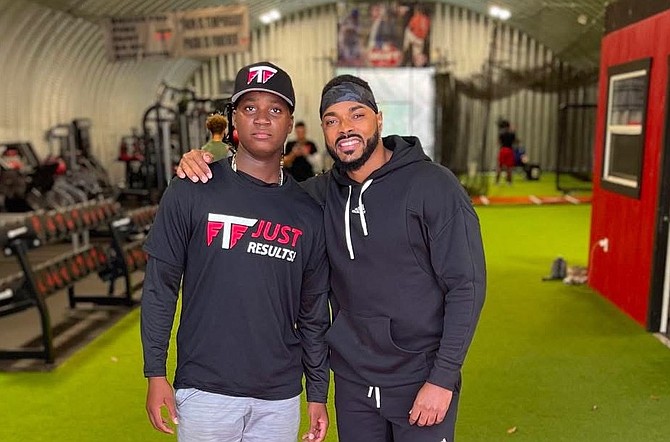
[361,212]
[378,399]
[347,226]
[361,208]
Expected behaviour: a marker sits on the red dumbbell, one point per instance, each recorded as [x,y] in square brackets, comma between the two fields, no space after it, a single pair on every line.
[64,271]
[61,225]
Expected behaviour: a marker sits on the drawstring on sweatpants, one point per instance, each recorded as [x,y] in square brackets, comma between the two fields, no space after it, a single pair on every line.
[378,399]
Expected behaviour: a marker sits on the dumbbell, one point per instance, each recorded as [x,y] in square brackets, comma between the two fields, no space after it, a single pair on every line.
[54,272]
[75,216]
[59,220]
[70,225]
[40,284]
[87,222]
[89,258]
[44,279]
[64,271]
[50,228]
[36,223]
[101,214]
[81,263]
[74,269]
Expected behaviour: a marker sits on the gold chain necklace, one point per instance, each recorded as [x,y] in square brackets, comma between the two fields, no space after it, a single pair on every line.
[233,165]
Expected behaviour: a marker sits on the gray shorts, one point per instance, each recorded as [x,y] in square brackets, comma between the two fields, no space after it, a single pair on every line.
[218,418]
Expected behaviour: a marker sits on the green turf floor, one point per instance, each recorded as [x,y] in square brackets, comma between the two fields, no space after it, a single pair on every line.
[545,186]
[556,362]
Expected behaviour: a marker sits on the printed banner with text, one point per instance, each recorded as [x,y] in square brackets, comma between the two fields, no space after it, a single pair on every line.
[201,33]
[209,32]
[137,38]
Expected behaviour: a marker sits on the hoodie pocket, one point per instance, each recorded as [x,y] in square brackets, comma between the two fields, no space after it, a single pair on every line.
[365,346]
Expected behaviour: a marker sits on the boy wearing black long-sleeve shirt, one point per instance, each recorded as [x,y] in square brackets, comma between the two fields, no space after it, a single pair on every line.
[251,251]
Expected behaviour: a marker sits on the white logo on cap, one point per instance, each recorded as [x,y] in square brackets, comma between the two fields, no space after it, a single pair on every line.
[261,74]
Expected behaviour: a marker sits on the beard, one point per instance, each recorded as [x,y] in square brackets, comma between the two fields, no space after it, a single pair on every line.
[353,165]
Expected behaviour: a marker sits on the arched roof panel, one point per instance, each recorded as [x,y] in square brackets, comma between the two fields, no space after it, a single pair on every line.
[56,69]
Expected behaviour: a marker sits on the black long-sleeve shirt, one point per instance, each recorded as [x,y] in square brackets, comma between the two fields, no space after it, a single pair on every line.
[255,283]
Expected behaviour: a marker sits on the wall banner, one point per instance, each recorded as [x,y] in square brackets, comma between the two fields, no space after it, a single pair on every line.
[200,33]
[137,38]
[208,32]
[384,34]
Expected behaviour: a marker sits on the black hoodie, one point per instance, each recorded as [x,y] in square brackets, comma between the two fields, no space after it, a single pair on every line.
[408,275]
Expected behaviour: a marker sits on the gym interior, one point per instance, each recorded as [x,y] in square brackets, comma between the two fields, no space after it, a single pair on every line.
[100,100]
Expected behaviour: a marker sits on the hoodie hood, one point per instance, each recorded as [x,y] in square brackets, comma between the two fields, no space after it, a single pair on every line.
[406,151]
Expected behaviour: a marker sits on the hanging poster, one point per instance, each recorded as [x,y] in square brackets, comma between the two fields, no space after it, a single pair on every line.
[137,38]
[209,32]
[199,33]
[384,34]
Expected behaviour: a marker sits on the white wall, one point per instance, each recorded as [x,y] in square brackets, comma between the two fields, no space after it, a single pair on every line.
[54,68]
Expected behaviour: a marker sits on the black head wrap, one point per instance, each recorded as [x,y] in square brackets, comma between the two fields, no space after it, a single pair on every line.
[347,91]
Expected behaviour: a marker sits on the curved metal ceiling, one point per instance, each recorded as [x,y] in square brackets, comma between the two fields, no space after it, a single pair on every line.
[55,66]
[571,29]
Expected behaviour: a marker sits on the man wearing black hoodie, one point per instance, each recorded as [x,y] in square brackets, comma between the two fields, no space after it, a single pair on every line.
[408,275]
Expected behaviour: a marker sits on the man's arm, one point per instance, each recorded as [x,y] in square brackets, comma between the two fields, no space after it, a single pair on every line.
[312,323]
[167,247]
[457,258]
[159,302]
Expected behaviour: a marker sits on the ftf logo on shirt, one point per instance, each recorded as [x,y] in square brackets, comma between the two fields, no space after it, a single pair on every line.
[261,74]
[233,228]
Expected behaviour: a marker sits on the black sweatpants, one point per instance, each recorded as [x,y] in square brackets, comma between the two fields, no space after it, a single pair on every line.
[374,414]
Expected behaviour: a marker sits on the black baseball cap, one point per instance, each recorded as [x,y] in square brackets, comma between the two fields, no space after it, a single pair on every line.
[264,77]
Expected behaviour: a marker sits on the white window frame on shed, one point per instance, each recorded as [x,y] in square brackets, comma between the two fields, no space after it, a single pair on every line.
[629,122]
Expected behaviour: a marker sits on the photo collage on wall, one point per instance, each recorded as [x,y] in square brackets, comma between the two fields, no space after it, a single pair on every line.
[384,34]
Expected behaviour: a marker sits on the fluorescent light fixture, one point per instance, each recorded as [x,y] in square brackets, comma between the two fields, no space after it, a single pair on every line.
[270,16]
[498,12]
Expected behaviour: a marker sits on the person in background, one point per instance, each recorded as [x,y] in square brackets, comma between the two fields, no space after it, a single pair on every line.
[408,274]
[217,124]
[249,251]
[300,154]
[415,35]
[506,160]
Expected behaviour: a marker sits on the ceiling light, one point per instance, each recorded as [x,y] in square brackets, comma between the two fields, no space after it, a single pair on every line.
[270,16]
[498,12]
